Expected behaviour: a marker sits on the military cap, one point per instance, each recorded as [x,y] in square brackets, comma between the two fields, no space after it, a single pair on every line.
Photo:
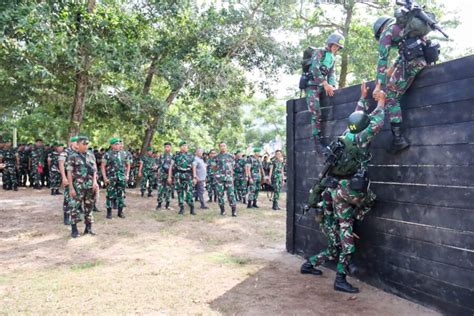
[60,145]
[257,149]
[183,142]
[149,148]
[237,152]
[114,140]
[82,138]
[73,139]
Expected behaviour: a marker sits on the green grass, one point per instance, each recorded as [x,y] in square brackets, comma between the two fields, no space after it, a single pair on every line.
[86,265]
[230,259]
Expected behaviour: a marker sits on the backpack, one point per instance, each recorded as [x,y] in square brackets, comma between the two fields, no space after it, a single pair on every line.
[306,75]
[412,24]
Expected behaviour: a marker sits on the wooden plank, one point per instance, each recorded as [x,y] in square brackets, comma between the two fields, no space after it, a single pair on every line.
[457,197]
[439,175]
[290,149]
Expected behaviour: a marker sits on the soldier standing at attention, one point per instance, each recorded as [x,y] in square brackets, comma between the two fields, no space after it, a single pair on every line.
[184,177]
[322,78]
[225,178]
[164,188]
[254,174]
[62,163]
[276,177]
[146,173]
[23,166]
[82,180]
[36,163]
[115,169]
[9,157]
[240,181]
[211,180]
[53,167]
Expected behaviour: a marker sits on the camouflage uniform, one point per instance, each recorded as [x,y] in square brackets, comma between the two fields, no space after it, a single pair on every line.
[255,174]
[54,173]
[240,181]
[37,165]
[211,179]
[132,180]
[10,178]
[164,189]
[147,174]
[115,168]
[67,202]
[404,71]
[23,168]
[225,178]
[277,178]
[183,178]
[313,92]
[83,168]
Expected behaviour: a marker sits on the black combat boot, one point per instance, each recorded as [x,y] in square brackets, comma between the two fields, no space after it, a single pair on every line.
[149,194]
[67,219]
[191,211]
[222,209]
[215,198]
[181,210]
[254,205]
[275,206]
[109,213]
[210,199]
[142,193]
[88,230]
[120,213]
[308,268]
[249,204]
[340,284]
[74,231]
[167,205]
[15,187]
[399,142]
[243,200]
[158,207]
[234,211]
[53,192]
[58,192]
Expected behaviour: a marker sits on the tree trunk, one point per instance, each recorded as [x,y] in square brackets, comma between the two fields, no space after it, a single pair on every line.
[82,81]
[349,6]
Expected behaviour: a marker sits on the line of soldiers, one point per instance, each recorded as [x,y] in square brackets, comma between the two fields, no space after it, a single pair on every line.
[342,194]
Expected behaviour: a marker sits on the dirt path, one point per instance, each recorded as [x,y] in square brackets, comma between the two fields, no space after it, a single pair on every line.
[161,263]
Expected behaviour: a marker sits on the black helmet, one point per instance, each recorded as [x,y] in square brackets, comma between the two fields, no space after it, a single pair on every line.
[337,39]
[358,121]
[381,21]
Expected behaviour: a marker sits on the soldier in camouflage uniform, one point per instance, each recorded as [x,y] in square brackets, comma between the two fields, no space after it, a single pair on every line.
[225,178]
[82,180]
[342,202]
[184,177]
[36,163]
[240,181]
[254,174]
[54,172]
[45,176]
[397,78]
[146,173]
[211,180]
[322,78]
[62,163]
[132,180]
[276,178]
[115,168]
[23,167]
[164,188]
[9,157]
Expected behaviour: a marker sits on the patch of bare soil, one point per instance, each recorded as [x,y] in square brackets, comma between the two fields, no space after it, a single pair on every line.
[162,263]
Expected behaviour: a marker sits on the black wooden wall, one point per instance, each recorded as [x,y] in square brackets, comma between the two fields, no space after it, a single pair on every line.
[418,242]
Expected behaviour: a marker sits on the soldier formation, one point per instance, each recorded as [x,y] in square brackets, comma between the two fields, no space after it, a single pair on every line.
[82,171]
[342,194]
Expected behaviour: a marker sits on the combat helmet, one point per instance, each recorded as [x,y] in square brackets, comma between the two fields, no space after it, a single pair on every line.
[379,23]
[357,122]
[335,38]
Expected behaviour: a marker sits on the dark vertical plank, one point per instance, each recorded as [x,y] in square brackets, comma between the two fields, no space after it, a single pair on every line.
[290,150]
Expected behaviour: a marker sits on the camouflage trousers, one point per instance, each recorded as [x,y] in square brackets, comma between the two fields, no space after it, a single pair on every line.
[254,189]
[240,186]
[115,193]
[83,203]
[54,179]
[10,178]
[148,177]
[211,186]
[329,227]
[401,79]
[35,175]
[184,186]
[132,180]
[164,189]
[225,186]
[67,202]
[276,183]
[348,205]
[23,174]
[312,101]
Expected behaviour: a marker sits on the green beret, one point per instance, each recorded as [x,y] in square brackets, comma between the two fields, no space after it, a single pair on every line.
[82,138]
[257,149]
[73,139]
[183,142]
[114,140]
[238,152]
[149,148]
[60,145]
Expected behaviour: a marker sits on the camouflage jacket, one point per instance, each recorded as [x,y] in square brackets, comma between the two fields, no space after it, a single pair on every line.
[182,164]
[9,157]
[322,56]
[255,167]
[23,154]
[225,167]
[83,168]
[115,164]
[53,157]
[64,155]
[211,166]
[37,156]
[277,169]
[390,38]
[148,162]
[239,168]
[164,163]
